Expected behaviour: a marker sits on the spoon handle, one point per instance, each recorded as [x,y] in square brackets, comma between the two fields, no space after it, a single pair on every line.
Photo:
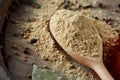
[101,70]
[98,67]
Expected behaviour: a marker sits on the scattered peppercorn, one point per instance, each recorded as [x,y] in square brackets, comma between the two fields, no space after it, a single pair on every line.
[26,51]
[66,4]
[118,31]
[88,6]
[119,5]
[33,40]
[72,66]
[29,76]
[100,5]
[95,18]
[46,59]
[108,20]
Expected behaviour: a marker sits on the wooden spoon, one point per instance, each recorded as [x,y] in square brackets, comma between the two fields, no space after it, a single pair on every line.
[78,36]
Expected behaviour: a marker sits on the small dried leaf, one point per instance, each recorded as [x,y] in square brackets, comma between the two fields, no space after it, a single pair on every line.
[43,74]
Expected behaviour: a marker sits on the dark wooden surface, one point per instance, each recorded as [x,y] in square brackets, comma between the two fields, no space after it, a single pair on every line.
[18,67]
[4,6]
[20,61]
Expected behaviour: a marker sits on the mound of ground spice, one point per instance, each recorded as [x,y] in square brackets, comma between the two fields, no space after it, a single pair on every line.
[76,34]
[79,34]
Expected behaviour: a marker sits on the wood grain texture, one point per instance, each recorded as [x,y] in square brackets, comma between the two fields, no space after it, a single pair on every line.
[3,75]
[4,6]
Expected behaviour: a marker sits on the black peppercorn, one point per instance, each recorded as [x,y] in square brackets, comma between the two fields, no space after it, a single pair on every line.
[100,5]
[96,18]
[33,40]
[25,51]
[29,76]
[66,4]
[72,66]
[88,6]
[119,5]
[108,20]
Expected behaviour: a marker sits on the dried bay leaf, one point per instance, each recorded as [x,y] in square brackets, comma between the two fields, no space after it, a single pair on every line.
[43,74]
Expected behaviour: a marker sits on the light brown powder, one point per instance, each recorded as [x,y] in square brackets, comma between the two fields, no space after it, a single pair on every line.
[79,34]
[56,58]
[76,33]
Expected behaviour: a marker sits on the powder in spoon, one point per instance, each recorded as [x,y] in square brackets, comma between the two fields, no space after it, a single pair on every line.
[77,34]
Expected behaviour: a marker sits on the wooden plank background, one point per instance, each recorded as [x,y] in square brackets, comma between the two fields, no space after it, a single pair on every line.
[4,6]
